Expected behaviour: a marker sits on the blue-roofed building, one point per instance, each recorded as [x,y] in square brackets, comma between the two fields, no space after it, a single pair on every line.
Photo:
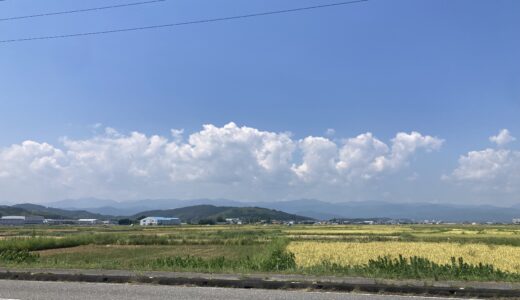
[151,221]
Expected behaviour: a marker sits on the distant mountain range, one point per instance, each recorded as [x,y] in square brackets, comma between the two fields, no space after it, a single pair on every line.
[311,208]
[192,214]
[281,210]
[28,209]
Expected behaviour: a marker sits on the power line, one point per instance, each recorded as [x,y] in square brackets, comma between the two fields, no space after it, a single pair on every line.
[274,12]
[80,10]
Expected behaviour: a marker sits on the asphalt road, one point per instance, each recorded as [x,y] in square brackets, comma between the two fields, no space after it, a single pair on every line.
[25,290]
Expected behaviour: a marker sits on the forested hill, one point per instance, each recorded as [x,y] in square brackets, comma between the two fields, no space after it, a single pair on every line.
[210,212]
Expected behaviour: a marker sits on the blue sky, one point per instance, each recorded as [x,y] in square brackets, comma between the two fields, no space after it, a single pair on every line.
[446,69]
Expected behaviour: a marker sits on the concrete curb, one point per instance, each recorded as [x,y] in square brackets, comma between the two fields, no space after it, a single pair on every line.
[273,281]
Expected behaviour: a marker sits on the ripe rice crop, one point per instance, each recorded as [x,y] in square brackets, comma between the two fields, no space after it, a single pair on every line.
[350,230]
[506,258]
[489,232]
[343,232]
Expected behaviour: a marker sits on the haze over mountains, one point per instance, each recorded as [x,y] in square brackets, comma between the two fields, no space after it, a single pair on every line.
[309,207]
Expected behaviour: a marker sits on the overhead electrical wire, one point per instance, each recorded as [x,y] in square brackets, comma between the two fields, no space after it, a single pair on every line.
[79,10]
[202,21]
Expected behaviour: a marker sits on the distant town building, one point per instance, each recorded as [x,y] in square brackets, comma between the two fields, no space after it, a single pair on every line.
[516,221]
[21,220]
[236,221]
[60,222]
[89,222]
[12,220]
[34,220]
[154,221]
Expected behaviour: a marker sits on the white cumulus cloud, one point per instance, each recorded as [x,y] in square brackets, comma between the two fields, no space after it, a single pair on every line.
[361,157]
[497,169]
[503,138]
[216,161]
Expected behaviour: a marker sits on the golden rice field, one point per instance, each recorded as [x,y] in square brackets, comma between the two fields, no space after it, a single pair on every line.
[345,231]
[504,257]
[393,230]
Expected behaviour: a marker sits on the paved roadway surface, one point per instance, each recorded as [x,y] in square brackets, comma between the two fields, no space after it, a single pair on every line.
[28,290]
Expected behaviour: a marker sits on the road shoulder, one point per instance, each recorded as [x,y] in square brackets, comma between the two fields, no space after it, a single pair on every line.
[274,281]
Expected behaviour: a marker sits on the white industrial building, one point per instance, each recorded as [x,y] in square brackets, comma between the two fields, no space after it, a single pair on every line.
[154,221]
[12,220]
[21,220]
